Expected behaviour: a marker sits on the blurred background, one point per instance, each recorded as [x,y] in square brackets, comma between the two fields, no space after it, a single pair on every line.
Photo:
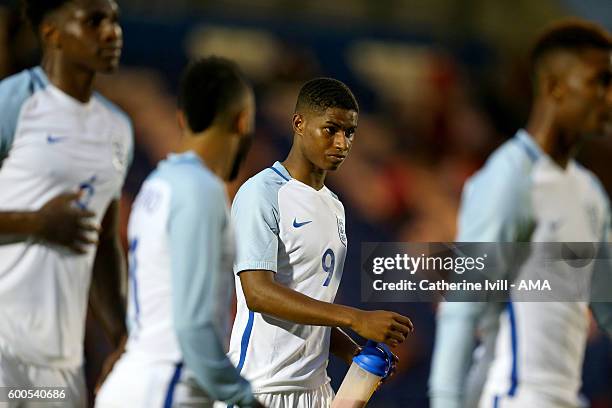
[441,83]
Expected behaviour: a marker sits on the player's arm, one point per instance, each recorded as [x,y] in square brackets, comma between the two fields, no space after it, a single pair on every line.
[264,295]
[109,278]
[59,222]
[255,214]
[195,226]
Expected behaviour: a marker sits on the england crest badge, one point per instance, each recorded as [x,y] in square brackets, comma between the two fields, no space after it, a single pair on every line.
[120,154]
[341,230]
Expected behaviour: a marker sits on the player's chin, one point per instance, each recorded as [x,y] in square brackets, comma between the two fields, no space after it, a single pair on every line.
[107,65]
[333,162]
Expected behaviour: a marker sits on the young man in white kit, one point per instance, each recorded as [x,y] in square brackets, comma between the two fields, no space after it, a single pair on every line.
[181,254]
[531,189]
[291,245]
[64,154]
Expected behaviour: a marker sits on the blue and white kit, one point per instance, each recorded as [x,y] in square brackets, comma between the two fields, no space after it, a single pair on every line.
[298,233]
[51,144]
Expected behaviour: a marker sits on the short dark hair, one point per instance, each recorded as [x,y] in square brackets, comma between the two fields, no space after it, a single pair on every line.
[320,94]
[36,10]
[569,35]
[208,88]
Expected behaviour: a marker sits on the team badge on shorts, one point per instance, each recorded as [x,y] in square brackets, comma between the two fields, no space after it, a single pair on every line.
[341,230]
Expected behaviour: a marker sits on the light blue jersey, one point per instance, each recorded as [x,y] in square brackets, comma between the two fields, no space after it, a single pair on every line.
[518,196]
[181,282]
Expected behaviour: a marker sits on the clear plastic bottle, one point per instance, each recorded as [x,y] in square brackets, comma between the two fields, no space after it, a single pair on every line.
[369,367]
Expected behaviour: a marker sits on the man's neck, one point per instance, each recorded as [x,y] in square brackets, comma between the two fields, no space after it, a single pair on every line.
[209,148]
[560,146]
[303,170]
[71,79]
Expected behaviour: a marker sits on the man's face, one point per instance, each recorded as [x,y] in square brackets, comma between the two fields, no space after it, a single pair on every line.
[586,107]
[89,34]
[327,137]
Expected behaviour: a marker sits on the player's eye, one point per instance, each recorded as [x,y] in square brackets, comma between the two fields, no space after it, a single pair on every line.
[350,133]
[330,130]
[95,19]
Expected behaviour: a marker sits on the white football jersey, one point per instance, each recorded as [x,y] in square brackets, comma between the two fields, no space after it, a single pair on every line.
[176,184]
[181,286]
[50,144]
[521,195]
[287,227]
[540,345]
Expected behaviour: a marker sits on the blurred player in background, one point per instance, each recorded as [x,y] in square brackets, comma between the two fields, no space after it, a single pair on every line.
[181,253]
[64,154]
[291,248]
[531,189]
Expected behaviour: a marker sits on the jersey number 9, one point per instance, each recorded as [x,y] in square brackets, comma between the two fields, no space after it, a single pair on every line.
[329,261]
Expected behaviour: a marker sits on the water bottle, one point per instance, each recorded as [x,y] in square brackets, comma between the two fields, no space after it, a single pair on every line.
[369,367]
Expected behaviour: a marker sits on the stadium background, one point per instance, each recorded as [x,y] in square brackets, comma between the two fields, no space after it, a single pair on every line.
[440,83]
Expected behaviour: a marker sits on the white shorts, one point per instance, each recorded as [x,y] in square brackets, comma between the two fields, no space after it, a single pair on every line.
[524,398]
[320,398]
[138,384]
[15,374]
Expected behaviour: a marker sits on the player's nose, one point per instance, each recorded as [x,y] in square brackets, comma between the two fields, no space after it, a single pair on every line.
[111,33]
[341,142]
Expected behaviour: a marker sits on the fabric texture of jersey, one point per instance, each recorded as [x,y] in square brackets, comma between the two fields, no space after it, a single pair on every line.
[181,283]
[52,144]
[297,232]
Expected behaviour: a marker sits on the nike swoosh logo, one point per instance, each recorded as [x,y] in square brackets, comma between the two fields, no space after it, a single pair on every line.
[54,139]
[300,224]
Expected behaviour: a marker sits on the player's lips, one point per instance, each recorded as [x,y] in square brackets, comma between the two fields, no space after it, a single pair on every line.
[111,52]
[337,157]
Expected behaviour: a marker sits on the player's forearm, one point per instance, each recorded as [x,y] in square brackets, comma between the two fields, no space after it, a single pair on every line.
[18,225]
[105,296]
[276,300]
[455,340]
[342,345]
[211,367]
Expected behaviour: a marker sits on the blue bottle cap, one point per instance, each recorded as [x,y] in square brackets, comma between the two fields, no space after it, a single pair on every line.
[375,359]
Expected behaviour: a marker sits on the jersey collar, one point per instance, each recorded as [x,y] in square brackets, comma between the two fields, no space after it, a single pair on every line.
[530,146]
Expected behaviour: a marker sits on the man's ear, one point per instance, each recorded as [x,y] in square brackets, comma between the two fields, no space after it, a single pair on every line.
[298,123]
[242,124]
[181,120]
[556,88]
[49,33]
